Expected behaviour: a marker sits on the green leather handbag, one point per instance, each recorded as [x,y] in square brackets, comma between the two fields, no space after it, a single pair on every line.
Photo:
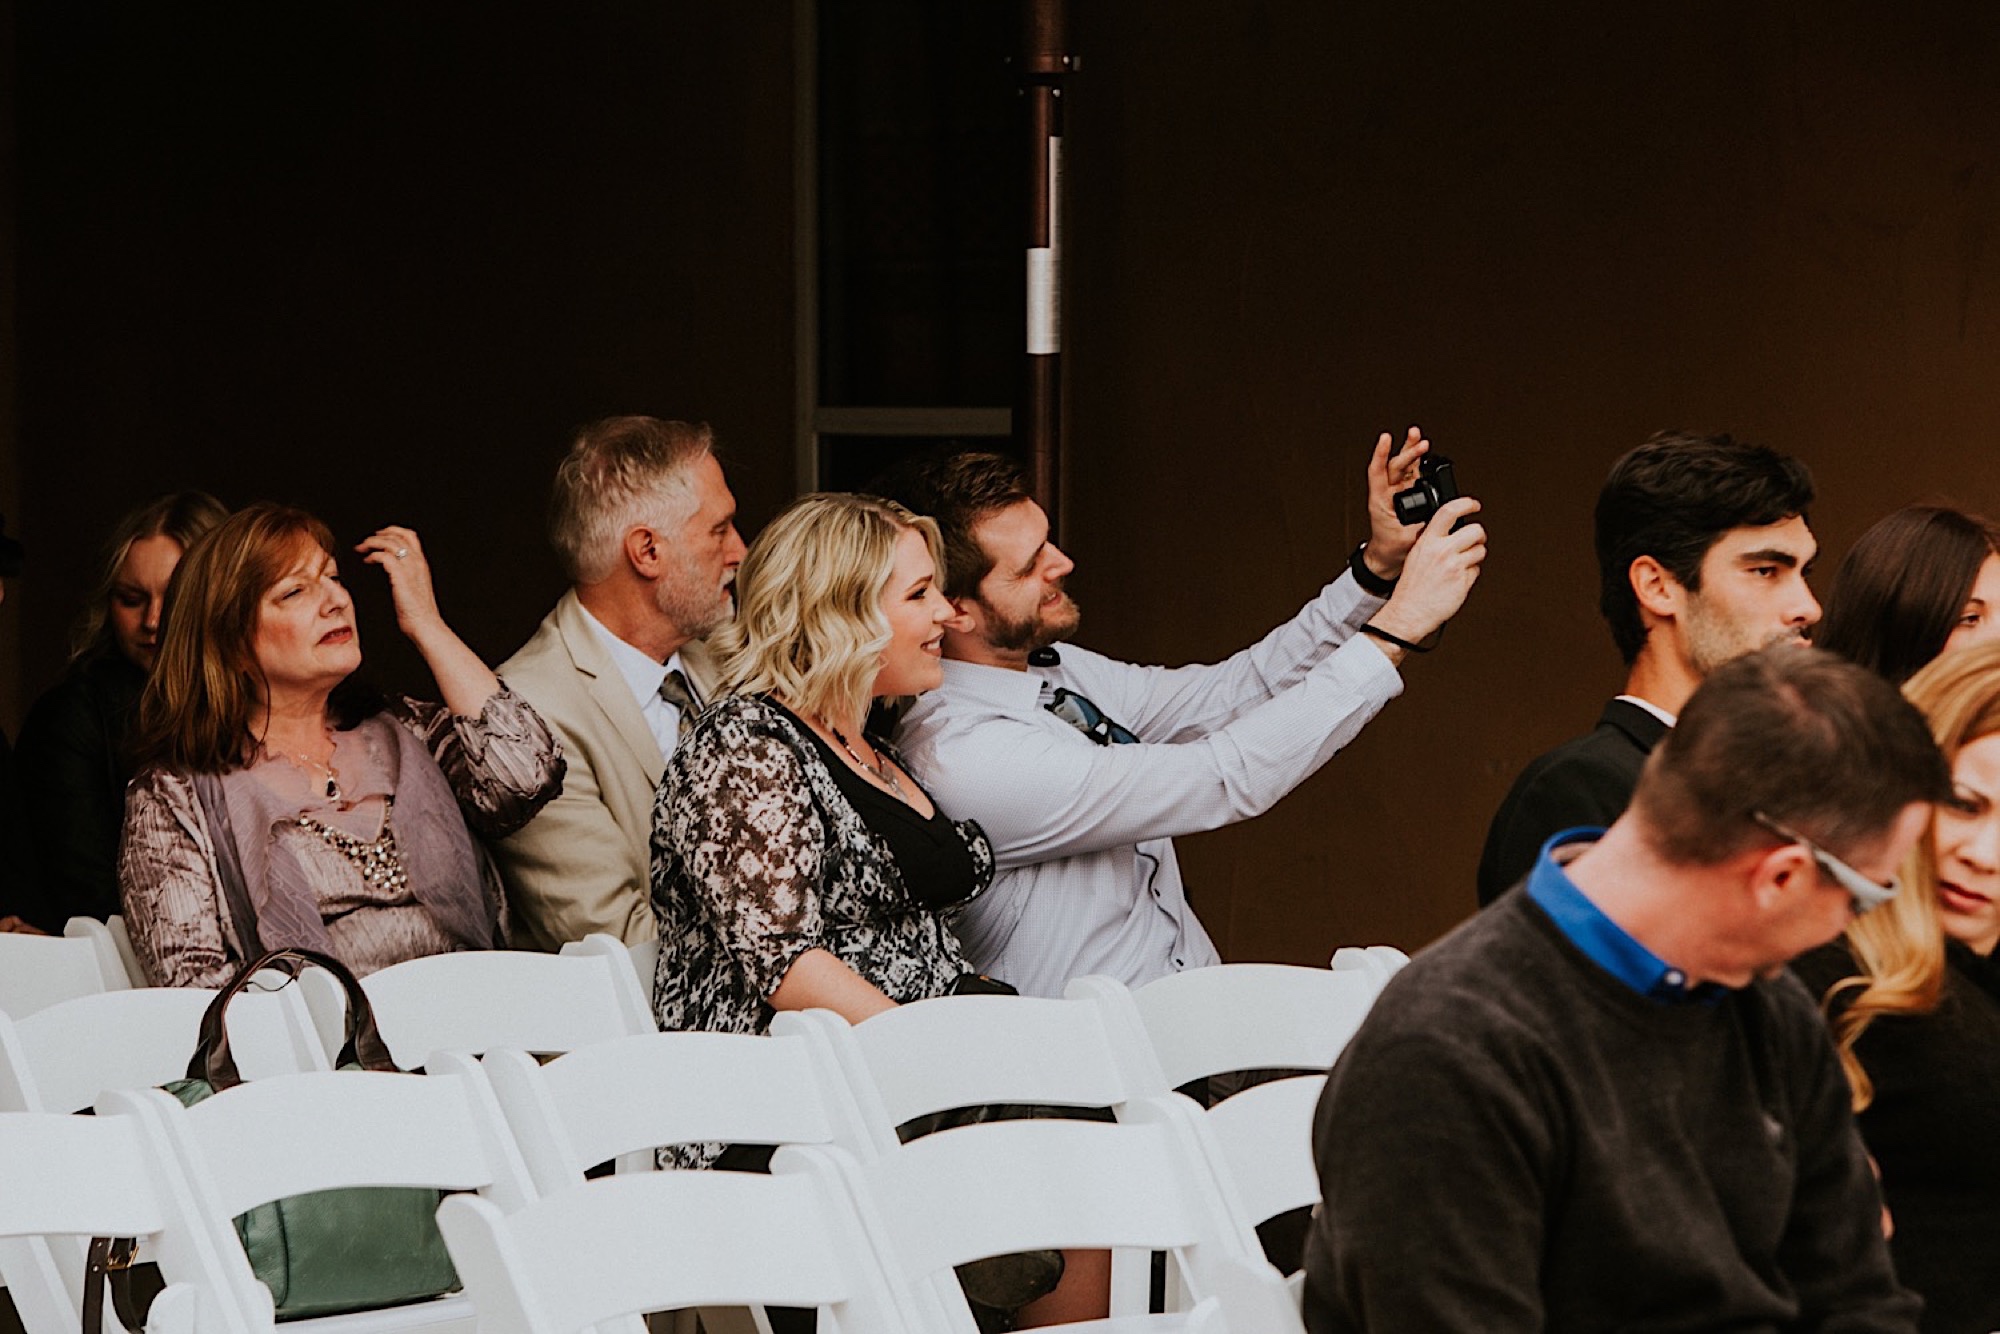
[329,1251]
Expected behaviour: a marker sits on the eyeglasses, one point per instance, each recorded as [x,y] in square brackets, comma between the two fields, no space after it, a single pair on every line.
[1865,893]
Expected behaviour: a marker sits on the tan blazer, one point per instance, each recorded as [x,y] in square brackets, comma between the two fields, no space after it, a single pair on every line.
[582,865]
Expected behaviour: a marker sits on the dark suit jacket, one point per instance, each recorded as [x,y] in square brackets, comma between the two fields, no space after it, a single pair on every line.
[1585,781]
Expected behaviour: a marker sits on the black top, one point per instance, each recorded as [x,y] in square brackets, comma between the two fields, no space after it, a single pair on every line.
[1587,780]
[74,765]
[930,855]
[1934,1128]
[20,884]
[1516,1141]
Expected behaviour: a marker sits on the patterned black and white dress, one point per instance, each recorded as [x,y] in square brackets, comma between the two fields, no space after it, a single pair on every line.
[759,856]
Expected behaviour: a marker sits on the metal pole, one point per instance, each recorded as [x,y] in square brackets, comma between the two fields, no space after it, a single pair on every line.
[1038,424]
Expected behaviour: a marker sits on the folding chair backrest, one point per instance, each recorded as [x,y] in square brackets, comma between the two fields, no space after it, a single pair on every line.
[114,949]
[643,958]
[39,971]
[60,1059]
[1264,1135]
[656,1241]
[633,1095]
[1018,1185]
[964,1051]
[1243,1016]
[69,1178]
[478,1000]
[1384,961]
[288,1135]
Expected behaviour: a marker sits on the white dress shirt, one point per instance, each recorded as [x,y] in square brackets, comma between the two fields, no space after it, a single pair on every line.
[1082,833]
[643,676]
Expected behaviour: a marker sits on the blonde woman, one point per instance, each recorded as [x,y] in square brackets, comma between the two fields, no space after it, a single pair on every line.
[796,863]
[1913,996]
[74,753]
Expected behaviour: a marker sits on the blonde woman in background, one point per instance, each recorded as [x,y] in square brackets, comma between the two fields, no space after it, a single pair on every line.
[1913,996]
[74,750]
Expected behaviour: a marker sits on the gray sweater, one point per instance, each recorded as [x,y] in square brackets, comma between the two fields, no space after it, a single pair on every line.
[1517,1141]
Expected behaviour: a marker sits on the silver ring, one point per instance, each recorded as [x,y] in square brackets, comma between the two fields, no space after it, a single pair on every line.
[402,552]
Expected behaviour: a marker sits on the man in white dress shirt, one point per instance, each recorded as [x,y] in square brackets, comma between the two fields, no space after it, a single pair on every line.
[1082,768]
[645,527]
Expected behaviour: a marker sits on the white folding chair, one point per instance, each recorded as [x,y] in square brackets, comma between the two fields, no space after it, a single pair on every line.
[69,1178]
[1232,1017]
[115,958]
[643,957]
[620,1100]
[38,971]
[1382,960]
[477,1000]
[1141,1183]
[1239,1017]
[612,1249]
[964,1051]
[272,1138]
[61,1058]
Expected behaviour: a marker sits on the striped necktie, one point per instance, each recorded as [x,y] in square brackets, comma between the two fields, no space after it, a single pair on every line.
[676,690]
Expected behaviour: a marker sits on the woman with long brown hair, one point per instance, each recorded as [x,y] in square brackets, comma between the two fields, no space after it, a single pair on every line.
[75,749]
[282,804]
[1913,995]
[1923,579]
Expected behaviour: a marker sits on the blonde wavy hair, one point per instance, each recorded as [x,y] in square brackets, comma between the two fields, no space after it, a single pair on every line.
[809,626]
[1900,946]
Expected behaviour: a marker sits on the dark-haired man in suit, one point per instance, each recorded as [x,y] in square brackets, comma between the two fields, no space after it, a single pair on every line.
[1702,554]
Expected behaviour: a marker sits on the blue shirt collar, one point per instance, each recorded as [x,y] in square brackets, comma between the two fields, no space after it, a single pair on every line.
[1603,941]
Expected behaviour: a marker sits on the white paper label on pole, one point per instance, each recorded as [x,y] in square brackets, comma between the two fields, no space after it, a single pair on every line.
[1044,303]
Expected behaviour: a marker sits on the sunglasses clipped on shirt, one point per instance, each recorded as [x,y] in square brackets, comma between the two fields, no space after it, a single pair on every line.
[1866,893]
[1084,715]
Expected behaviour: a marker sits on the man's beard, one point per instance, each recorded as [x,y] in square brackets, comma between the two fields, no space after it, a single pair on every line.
[1713,640]
[691,600]
[1032,632]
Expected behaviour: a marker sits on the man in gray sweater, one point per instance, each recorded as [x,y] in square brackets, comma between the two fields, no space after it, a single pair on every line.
[1603,1104]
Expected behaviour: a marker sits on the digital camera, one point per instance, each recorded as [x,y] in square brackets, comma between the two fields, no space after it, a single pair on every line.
[1436,484]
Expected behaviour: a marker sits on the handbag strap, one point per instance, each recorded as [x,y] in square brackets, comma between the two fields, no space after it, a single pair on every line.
[362,1044]
[109,1260]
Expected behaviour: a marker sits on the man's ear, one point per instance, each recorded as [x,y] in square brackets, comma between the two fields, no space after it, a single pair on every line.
[1658,593]
[967,618]
[1778,874]
[642,551]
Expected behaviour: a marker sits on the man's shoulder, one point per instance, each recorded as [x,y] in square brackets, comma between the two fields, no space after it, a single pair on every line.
[547,654]
[1616,747]
[1499,970]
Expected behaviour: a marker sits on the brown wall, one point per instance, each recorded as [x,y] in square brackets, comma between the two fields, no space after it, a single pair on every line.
[382,267]
[1543,231]
[380,262]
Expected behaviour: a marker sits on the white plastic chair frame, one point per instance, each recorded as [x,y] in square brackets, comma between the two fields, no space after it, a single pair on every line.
[1140,1184]
[74,1177]
[612,1249]
[39,971]
[63,1057]
[271,1138]
[478,1000]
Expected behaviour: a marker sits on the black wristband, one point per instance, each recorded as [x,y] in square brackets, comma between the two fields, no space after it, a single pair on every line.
[1404,644]
[1371,583]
